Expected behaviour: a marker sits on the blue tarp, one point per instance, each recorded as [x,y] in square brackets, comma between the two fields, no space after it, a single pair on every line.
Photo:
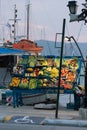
[10,51]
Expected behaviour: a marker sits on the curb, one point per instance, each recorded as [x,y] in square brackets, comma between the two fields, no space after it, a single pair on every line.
[5,118]
[59,122]
[2,118]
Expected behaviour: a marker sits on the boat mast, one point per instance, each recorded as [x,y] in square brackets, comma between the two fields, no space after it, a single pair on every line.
[15,15]
[28,14]
[14,23]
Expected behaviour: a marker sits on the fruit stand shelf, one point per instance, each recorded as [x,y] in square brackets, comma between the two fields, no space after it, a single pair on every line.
[39,74]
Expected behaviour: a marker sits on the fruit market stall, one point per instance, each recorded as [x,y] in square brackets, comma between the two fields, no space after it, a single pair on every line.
[40,74]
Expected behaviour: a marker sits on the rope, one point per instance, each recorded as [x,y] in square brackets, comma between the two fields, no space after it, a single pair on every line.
[71,44]
[80,31]
[49,48]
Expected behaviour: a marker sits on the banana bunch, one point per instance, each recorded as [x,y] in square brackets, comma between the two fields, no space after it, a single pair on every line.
[44,63]
[41,72]
[49,69]
[15,82]
[54,72]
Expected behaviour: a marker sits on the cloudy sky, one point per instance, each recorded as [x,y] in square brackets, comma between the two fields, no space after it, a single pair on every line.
[46,19]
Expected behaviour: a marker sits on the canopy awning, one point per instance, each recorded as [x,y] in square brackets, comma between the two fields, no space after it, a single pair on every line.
[10,51]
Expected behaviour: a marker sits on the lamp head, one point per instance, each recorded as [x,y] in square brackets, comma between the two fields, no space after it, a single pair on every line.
[72,7]
[68,38]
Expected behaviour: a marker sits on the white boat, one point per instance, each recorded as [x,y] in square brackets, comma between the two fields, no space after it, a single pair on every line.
[1,43]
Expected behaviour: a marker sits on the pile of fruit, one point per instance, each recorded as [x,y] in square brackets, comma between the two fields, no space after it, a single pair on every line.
[44,72]
[71,63]
[14,82]
[32,83]
[32,61]
[47,82]
[24,83]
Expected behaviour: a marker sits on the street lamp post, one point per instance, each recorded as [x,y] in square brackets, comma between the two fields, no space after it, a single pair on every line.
[74,17]
[61,56]
[69,39]
[85,98]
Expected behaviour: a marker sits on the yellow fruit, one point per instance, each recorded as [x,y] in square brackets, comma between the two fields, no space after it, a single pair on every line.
[44,85]
[29,69]
[40,72]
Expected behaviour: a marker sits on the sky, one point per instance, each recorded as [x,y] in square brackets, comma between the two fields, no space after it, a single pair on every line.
[45,19]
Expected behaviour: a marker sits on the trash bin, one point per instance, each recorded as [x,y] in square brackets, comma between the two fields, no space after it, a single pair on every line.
[76,102]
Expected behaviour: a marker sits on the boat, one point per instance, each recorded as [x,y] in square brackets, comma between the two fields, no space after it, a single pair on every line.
[28,46]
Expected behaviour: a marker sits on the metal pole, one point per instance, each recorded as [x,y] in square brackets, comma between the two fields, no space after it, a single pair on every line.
[28,7]
[85,97]
[61,56]
[14,24]
[79,50]
[85,66]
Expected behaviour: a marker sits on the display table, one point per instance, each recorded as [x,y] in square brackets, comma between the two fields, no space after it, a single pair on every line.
[17,93]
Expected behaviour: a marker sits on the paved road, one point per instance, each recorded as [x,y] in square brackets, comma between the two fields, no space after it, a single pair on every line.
[28,118]
[30,111]
[7,126]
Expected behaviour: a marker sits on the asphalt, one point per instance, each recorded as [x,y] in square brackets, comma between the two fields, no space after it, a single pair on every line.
[44,116]
[41,114]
